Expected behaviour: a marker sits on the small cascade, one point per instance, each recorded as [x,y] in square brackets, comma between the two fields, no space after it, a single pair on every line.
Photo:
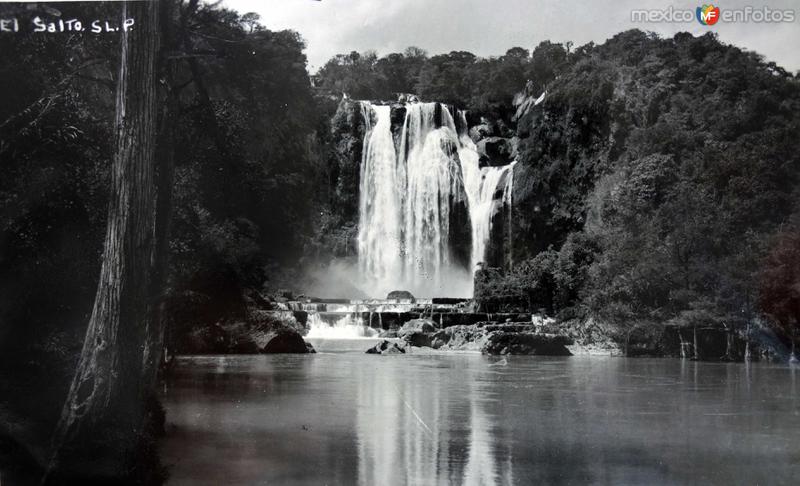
[346,327]
[685,345]
[483,186]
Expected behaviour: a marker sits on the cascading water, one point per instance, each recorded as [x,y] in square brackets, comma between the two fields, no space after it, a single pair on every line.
[410,194]
[345,327]
[433,185]
[482,186]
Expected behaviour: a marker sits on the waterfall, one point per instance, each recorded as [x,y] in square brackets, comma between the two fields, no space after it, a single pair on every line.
[379,199]
[434,183]
[410,194]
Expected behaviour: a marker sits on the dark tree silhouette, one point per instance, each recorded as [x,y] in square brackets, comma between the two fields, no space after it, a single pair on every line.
[779,293]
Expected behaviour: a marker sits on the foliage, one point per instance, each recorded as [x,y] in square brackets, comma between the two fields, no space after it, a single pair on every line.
[552,280]
[55,134]
[242,173]
[246,152]
[676,156]
[484,85]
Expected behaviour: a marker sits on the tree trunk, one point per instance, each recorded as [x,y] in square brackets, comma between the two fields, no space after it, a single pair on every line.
[728,344]
[100,428]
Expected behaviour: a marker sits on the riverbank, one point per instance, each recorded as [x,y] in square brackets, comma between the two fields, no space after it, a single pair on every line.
[279,325]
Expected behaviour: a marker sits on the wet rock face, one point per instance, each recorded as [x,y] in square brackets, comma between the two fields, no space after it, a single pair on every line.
[398,118]
[460,236]
[497,151]
[348,130]
[385,347]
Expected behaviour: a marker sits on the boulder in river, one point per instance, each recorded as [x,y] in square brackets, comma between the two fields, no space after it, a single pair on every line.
[459,338]
[417,325]
[260,332]
[418,339]
[417,332]
[501,342]
[386,347]
[400,295]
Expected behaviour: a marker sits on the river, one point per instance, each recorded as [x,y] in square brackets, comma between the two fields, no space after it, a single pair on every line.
[345,417]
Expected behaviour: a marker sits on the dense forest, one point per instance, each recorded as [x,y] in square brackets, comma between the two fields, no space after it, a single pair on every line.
[236,107]
[658,182]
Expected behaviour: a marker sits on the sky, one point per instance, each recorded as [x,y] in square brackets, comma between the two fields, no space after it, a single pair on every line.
[490,27]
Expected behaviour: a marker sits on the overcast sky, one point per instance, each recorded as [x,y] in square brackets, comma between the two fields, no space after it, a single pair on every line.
[490,27]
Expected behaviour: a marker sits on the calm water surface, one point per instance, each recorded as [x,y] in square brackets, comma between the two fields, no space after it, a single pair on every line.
[344,417]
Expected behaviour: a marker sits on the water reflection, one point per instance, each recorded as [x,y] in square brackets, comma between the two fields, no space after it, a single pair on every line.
[344,418]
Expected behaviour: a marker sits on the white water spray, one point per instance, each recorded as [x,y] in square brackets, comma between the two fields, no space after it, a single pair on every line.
[346,327]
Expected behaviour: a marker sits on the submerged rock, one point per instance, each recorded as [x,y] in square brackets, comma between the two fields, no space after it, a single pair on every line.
[386,347]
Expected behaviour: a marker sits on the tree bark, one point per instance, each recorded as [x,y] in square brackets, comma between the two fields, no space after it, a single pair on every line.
[100,428]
